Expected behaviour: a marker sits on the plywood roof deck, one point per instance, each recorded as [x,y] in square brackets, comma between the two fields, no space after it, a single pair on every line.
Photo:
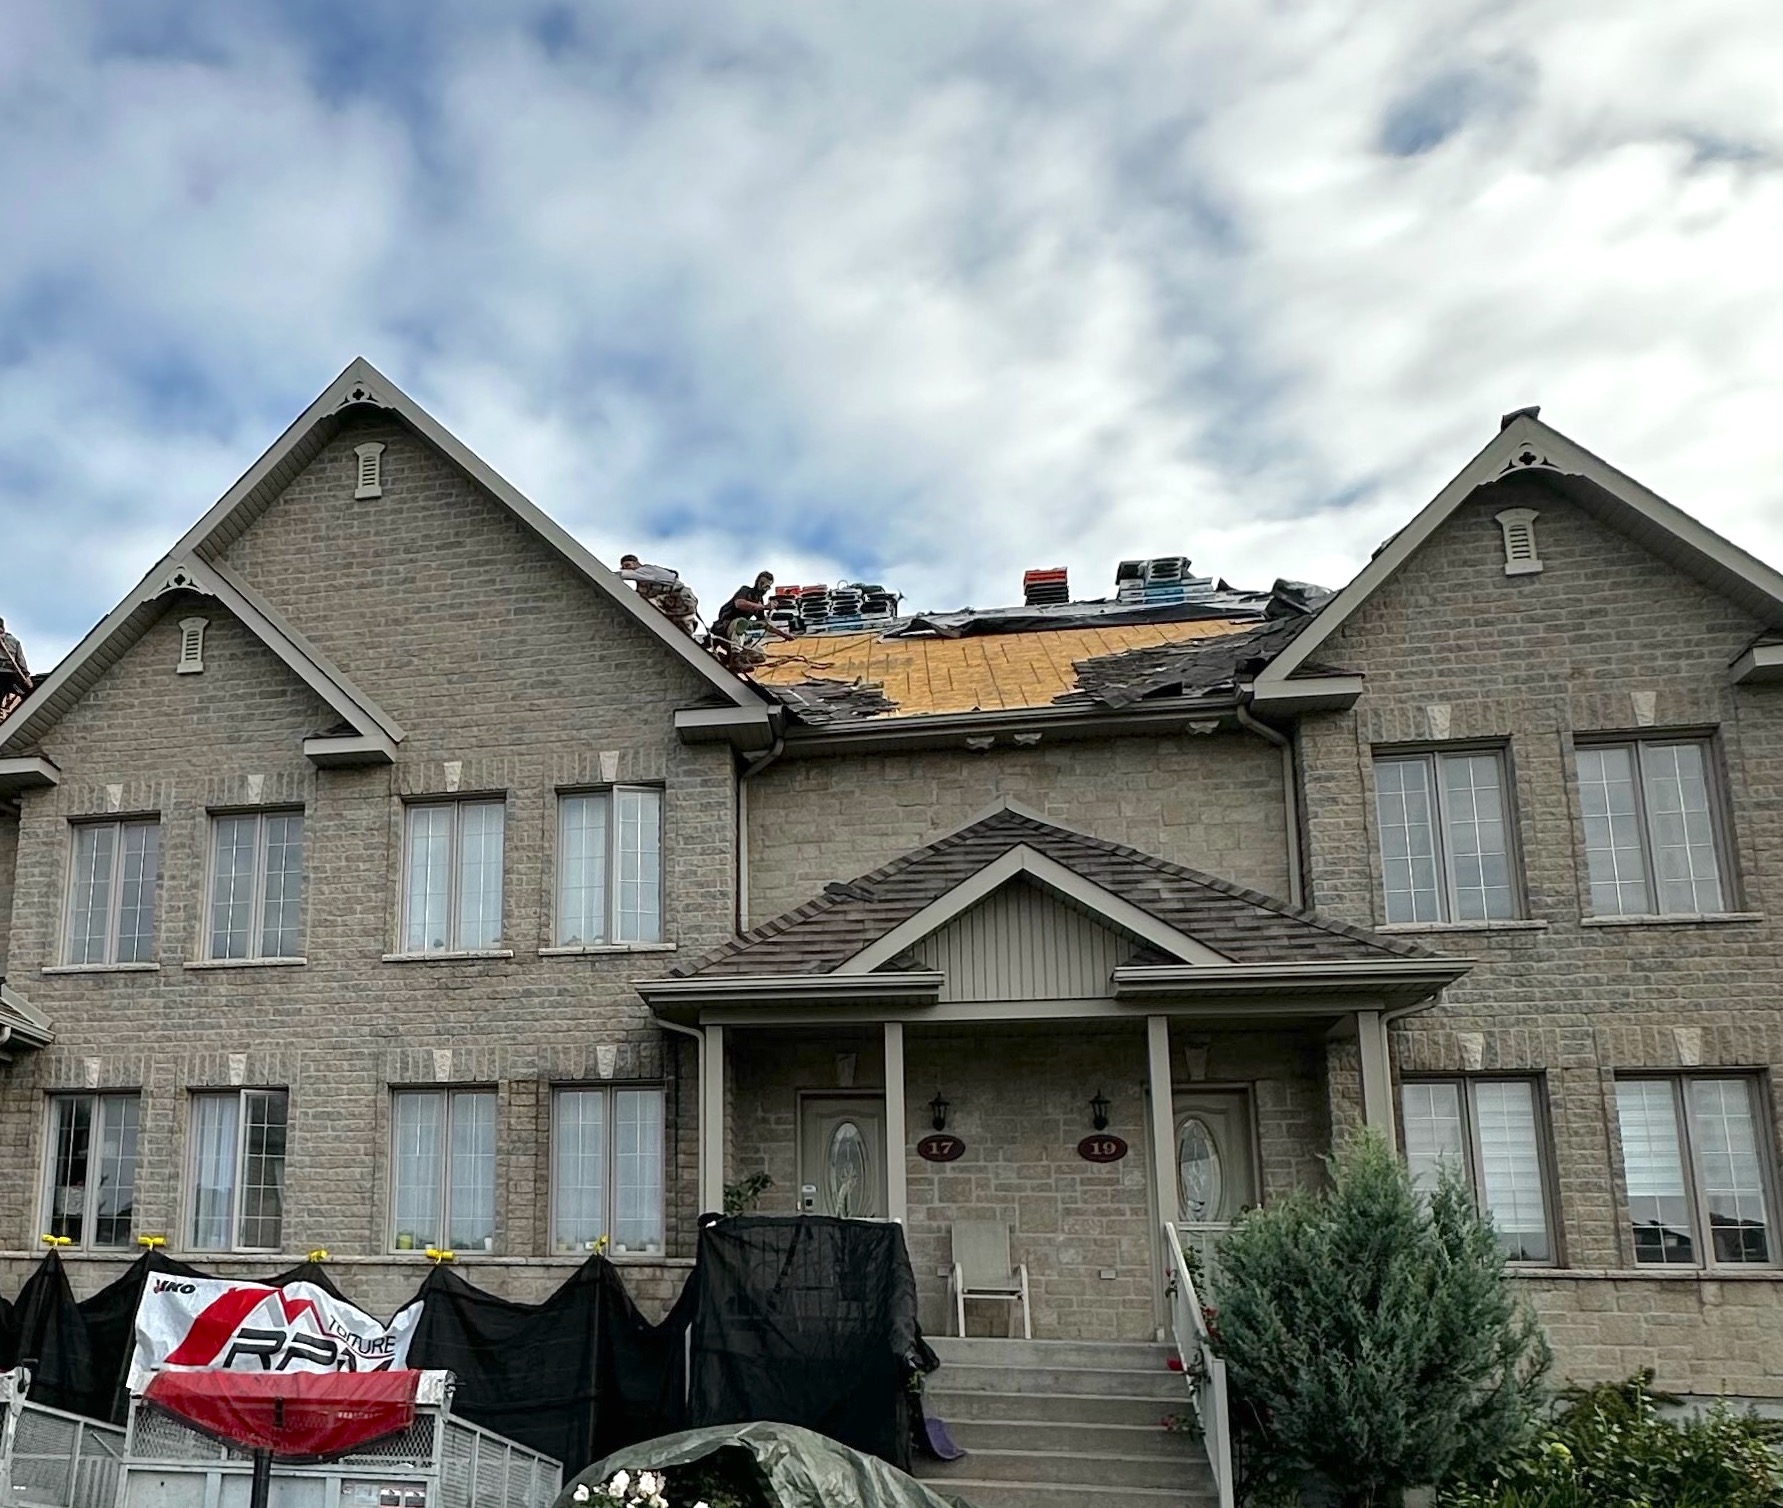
[975,673]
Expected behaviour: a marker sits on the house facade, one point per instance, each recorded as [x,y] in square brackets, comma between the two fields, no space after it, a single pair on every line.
[385,876]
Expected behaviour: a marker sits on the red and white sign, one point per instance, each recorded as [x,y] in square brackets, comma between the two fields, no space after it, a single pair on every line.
[212,1324]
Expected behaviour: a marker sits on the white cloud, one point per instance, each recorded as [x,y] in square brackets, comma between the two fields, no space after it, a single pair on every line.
[928,295]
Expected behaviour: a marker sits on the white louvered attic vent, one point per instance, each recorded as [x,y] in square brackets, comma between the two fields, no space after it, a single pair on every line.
[1520,558]
[191,646]
[371,469]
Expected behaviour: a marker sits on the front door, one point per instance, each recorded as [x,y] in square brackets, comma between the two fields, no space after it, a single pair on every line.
[842,1155]
[1216,1175]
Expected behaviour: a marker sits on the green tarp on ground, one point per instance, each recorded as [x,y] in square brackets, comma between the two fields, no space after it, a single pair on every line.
[803,1469]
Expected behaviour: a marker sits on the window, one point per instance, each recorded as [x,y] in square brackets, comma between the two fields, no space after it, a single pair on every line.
[443,1169]
[111,907]
[256,906]
[606,1169]
[1693,1160]
[91,1190]
[453,891]
[238,1170]
[1445,837]
[609,867]
[1488,1131]
[1650,822]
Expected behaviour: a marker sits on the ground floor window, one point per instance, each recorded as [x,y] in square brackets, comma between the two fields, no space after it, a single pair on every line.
[607,1169]
[238,1170]
[1488,1130]
[1694,1160]
[443,1169]
[91,1184]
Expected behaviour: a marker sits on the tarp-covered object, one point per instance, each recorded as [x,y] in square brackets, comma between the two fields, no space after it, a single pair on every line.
[801,1467]
[573,1377]
[298,1416]
[808,1320]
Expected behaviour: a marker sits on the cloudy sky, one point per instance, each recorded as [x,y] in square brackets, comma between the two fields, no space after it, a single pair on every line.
[921,293]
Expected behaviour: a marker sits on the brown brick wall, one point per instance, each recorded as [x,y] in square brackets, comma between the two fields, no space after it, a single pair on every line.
[1212,802]
[492,654]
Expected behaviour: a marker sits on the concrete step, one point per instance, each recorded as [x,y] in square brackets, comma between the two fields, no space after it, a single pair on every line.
[1140,1356]
[1107,1474]
[984,1494]
[1081,1408]
[1161,1384]
[1150,1439]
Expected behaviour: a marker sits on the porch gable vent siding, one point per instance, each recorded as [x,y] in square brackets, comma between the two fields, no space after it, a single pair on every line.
[1518,525]
[370,473]
[191,661]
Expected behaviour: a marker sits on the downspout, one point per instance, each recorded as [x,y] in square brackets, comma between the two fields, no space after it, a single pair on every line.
[699,1082]
[753,768]
[1290,796]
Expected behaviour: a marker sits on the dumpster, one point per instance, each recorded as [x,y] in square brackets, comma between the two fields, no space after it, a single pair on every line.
[437,1461]
[49,1459]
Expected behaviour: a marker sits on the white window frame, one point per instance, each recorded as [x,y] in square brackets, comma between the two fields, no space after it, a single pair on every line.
[257,929]
[610,1091]
[454,877]
[1448,908]
[610,884]
[1720,827]
[114,907]
[451,1095]
[1474,1168]
[102,1099]
[1695,1192]
[242,1098]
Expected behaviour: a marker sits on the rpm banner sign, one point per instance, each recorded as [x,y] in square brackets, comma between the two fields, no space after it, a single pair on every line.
[213,1324]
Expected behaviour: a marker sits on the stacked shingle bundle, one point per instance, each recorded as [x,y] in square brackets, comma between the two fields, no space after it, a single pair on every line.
[1163,580]
[848,607]
[1045,587]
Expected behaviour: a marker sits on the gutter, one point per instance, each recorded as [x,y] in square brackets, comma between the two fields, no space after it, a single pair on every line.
[1290,797]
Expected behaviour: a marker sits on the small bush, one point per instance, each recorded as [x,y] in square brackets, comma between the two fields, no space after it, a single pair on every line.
[1372,1335]
[1609,1447]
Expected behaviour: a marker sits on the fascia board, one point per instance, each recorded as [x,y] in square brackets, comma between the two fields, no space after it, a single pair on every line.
[1557,454]
[1761,663]
[745,727]
[1391,975]
[947,729]
[27,1022]
[328,753]
[25,773]
[915,987]
[1048,872]
[1321,693]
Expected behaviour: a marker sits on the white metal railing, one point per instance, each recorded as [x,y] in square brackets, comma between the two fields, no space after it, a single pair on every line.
[1205,1372]
[52,1458]
[1203,1237]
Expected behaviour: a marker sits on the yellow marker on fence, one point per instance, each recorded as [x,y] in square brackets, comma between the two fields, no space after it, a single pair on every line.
[440,1255]
[320,1254]
[153,1243]
[49,1240]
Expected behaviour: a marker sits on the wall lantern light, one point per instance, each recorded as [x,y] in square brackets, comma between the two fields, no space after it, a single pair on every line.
[1099,1111]
[938,1109]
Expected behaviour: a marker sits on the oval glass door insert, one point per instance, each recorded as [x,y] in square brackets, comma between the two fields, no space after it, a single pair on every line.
[847,1169]
[1200,1179]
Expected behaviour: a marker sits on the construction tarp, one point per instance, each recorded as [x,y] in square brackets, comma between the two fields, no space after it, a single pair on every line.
[298,1416]
[808,1320]
[572,1377]
[799,1468]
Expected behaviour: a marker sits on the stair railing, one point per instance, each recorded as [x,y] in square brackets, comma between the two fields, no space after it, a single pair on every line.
[1204,1372]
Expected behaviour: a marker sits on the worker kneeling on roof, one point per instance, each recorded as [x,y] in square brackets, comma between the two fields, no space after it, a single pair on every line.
[746,610]
[664,590]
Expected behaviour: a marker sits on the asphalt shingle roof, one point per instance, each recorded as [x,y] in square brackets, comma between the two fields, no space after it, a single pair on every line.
[1244,925]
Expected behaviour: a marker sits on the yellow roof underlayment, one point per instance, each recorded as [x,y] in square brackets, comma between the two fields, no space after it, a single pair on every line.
[978,673]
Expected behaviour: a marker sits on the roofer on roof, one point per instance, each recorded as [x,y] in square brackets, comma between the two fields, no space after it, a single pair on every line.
[747,609]
[662,588]
[15,675]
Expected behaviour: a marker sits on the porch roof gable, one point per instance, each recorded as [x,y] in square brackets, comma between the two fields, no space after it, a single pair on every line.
[868,924]
[21,1023]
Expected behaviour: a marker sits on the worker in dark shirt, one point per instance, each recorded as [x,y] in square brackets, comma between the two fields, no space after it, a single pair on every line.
[747,609]
[13,670]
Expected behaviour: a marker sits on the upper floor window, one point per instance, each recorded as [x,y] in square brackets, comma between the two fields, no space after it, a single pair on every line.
[91,1183]
[111,906]
[1445,837]
[1651,840]
[609,866]
[238,1170]
[256,906]
[1488,1131]
[452,888]
[443,1169]
[607,1169]
[1693,1155]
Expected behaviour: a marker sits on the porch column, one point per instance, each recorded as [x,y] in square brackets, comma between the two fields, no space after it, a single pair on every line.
[897,1172]
[712,1123]
[1163,1108]
[1377,1072]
